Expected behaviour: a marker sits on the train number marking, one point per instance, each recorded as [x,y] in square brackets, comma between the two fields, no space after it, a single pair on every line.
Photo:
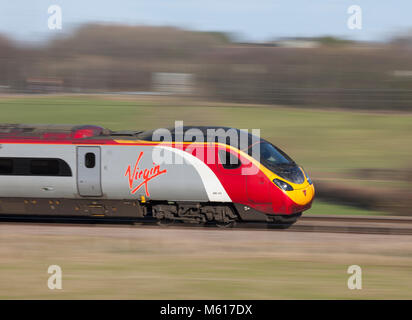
[142,174]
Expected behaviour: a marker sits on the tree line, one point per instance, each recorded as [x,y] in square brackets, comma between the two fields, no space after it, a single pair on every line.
[112,58]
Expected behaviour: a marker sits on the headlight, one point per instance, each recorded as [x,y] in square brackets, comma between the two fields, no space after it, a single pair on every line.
[283,185]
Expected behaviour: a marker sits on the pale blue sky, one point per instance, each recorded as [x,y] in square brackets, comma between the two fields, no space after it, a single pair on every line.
[257,20]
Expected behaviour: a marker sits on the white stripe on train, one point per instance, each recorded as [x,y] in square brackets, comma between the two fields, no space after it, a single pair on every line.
[213,187]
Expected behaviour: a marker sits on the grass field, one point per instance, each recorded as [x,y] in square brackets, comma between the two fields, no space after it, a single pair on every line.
[111,263]
[326,208]
[327,143]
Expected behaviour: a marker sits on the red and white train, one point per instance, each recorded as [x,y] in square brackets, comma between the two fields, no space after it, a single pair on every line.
[89,171]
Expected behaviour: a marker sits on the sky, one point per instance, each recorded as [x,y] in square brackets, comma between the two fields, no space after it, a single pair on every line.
[258,20]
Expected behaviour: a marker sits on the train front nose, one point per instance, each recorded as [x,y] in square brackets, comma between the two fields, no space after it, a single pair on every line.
[297,195]
[301,199]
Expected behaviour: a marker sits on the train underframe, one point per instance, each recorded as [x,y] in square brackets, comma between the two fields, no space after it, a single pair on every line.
[164,212]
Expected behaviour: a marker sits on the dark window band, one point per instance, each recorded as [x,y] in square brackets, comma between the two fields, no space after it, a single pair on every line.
[34,167]
[229,160]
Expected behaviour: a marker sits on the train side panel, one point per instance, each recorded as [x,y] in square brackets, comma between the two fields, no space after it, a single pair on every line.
[129,172]
[39,186]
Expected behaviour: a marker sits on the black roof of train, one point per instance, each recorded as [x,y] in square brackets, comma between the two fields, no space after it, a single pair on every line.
[188,133]
[183,134]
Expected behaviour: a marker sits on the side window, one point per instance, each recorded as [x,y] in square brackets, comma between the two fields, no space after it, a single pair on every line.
[44,167]
[34,167]
[6,166]
[229,160]
[90,160]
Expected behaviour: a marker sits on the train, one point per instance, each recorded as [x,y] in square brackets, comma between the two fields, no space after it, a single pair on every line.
[90,171]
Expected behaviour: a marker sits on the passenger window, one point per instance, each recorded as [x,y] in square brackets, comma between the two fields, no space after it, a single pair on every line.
[6,166]
[44,167]
[90,160]
[229,160]
[34,166]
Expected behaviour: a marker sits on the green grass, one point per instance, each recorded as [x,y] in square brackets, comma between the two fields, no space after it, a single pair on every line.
[326,208]
[203,278]
[177,264]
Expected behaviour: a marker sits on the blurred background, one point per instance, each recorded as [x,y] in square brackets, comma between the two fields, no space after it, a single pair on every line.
[332,91]
[337,99]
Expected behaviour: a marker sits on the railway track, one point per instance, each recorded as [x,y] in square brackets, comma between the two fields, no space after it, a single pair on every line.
[355,224]
[374,219]
[310,223]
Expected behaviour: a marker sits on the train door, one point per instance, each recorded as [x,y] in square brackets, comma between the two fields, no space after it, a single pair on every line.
[250,185]
[88,171]
[230,172]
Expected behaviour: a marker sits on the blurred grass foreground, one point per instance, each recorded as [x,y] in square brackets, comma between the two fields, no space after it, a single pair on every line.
[101,262]
[357,159]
